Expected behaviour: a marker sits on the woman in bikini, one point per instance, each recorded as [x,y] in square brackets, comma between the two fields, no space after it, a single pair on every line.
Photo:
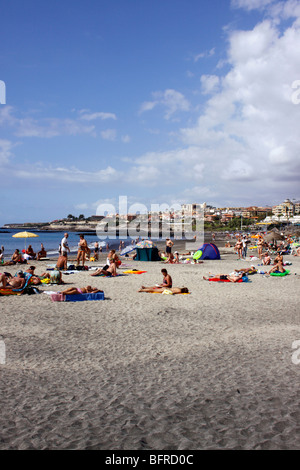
[260,244]
[239,248]
[160,290]
[82,250]
[81,290]
[166,284]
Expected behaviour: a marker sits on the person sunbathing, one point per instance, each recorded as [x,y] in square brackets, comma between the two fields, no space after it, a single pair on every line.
[16,258]
[81,290]
[170,259]
[30,253]
[110,271]
[62,262]
[297,252]
[166,284]
[55,277]
[250,270]
[161,290]
[232,277]
[167,280]
[42,253]
[277,267]
[267,259]
[16,282]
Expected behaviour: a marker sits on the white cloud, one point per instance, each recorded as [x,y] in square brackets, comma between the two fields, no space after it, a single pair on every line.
[238,170]
[251,4]
[204,54]
[249,128]
[109,134]
[87,116]
[48,128]
[44,127]
[126,139]
[71,175]
[209,83]
[171,100]
[5,151]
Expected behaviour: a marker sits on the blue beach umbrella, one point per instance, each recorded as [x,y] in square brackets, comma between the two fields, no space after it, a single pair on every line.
[126,250]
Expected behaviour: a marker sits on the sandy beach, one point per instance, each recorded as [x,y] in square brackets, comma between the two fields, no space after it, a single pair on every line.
[210,370]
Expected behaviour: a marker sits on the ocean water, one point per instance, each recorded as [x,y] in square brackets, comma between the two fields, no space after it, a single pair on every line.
[51,241]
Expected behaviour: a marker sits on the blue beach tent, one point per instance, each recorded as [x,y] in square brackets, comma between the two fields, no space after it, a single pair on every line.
[209,251]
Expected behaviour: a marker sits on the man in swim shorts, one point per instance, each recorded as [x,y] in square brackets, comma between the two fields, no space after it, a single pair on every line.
[16,282]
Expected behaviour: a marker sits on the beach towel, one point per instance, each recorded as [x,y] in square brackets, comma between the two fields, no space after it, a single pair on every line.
[59,297]
[279,274]
[134,272]
[244,279]
[9,291]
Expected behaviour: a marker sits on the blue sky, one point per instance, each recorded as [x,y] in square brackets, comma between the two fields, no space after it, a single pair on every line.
[165,101]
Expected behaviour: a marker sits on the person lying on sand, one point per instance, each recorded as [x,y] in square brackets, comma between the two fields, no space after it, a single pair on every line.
[36,280]
[16,282]
[55,277]
[250,270]
[81,290]
[160,290]
[232,277]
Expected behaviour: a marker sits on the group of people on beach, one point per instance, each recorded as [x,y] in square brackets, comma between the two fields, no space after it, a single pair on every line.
[113,262]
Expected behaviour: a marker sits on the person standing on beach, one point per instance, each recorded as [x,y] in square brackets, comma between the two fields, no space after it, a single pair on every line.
[82,250]
[169,245]
[64,249]
[245,242]
[239,248]
[96,250]
[260,244]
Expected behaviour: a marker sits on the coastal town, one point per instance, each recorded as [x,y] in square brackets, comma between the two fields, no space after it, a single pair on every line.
[214,218]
